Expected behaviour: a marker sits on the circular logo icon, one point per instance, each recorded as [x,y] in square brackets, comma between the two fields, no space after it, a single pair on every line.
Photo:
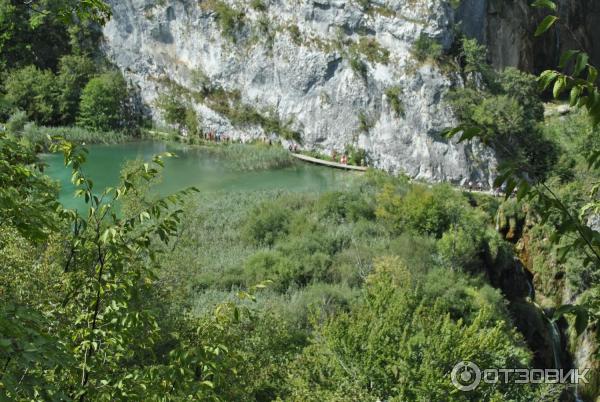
[466,376]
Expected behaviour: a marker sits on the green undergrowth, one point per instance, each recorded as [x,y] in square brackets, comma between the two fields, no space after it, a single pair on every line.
[41,136]
[253,156]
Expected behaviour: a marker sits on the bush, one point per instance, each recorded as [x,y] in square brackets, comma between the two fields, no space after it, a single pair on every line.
[173,108]
[295,34]
[103,102]
[524,88]
[372,50]
[34,91]
[399,342]
[393,95]
[356,156]
[321,298]
[258,5]
[508,110]
[427,48]
[499,115]
[358,66]
[462,248]
[272,266]
[341,206]
[421,210]
[266,223]
[16,122]
[474,57]
[230,20]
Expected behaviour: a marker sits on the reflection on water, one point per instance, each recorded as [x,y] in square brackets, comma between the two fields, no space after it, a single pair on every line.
[193,167]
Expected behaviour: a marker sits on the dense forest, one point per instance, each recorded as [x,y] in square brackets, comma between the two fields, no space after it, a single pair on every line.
[371,291]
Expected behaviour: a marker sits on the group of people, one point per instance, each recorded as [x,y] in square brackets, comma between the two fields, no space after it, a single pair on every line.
[497,191]
[293,147]
[343,159]
[216,137]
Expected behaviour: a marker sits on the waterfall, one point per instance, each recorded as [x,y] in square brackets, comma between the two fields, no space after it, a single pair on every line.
[522,273]
[531,290]
[556,342]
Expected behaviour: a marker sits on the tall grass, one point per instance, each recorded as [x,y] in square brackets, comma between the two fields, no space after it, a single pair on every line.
[40,136]
[244,157]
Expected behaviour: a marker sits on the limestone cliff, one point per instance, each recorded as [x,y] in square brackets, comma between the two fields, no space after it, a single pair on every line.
[324,66]
[507,28]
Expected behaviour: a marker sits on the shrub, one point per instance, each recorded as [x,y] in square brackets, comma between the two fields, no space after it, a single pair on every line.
[421,210]
[474,58]
[230,20]
[192,122]
[174,110]
[258,5]
[356,156]
[508,111]
[372,49]
[321,298]
[393,95]
[499,115]
[266,223]
[400,342]
[269,265]
[461,249]
[340,206]
[427,48]
[524,88]
[16,122]
[295,34]
[365,123]
[358,66]
[103,100]
[34,91]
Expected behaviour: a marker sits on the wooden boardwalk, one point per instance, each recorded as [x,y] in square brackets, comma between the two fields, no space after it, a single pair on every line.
[330,164]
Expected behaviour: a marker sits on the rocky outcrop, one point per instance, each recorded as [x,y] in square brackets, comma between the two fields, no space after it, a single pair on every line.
[507,27]
[304,62]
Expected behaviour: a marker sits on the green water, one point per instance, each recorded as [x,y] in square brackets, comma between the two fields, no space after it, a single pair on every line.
[192,167]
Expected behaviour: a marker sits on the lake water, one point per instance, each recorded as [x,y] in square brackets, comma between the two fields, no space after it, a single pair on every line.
[194,166]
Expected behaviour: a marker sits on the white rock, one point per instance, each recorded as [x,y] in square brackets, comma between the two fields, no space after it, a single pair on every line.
[315,87]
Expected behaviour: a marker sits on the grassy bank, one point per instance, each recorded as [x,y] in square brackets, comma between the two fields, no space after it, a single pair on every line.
[41,136]
[243,157]
[246,157]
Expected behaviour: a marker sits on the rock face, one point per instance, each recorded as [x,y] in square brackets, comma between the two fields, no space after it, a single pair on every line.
[295,59]
[507,27]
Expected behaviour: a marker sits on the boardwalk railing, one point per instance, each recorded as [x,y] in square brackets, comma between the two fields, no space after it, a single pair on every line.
[328,163]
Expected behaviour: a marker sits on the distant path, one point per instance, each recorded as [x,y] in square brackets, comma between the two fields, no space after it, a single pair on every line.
[327,163]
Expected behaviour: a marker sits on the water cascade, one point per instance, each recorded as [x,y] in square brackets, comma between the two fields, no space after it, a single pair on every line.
[555,340]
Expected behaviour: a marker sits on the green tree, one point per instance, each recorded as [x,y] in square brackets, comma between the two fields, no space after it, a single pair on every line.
[401,342]
[573,233]
[103,103]
[34,91]
[74,73]
[76,318]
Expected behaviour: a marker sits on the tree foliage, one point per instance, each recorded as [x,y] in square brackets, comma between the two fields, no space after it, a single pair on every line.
[103,103]
[573,232]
